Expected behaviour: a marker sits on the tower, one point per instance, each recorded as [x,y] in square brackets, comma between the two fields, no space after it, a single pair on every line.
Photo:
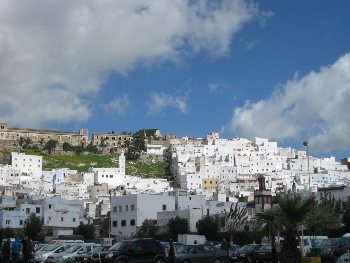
[122,163]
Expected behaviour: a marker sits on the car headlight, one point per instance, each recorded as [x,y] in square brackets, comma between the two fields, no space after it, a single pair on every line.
[40,256]
[110,255]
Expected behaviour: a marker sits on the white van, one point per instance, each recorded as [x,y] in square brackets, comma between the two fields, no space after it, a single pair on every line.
[310,242]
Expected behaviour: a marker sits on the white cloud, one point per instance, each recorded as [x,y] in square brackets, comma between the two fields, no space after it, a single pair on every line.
[160,101]
[117,105]
[213,87]
[72,44]
[314,107]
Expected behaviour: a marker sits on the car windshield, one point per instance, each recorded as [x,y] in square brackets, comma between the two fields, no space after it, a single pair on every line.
[39,246]
[73,249]
[234,248]
[121,245]
[100,248]
[265,248]
[183,249]
[248,248]
[344,241]
[50,247]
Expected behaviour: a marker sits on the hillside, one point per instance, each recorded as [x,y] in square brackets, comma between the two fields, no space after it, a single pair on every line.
[146,167]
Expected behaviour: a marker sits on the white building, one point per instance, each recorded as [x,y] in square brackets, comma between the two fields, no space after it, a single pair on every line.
[31,164]
[111,176]
[155,149]
[129,211]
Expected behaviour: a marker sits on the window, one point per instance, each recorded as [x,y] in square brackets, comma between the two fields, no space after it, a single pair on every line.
[115,223]
[74,219]
[21,222]
[27,211]
[61,219]
[120,208]
[37,210]
[151,245]
[7,222]
[164,207]
[115,209]
[132,222]
[49,206]
[126,208]
[132,207]
[137,246]
[123,222]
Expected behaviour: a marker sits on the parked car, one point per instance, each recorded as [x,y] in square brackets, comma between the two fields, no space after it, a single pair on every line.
[49,250]
[233,249]
[201,254]
[262,254]
[138,250]
[39,247]
[340,248]
[80,249]
[86,258]
[166,246]
[244,253]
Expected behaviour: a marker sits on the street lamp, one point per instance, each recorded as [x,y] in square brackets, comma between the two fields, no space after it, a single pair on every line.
[110,216]
[306,144]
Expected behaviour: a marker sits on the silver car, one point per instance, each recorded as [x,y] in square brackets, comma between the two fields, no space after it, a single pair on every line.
[49,250]
[71,252]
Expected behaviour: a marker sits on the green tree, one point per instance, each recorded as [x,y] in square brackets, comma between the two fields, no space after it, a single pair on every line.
[33,226]
[27,143]
[91,148]
[7,232]
[21,141]
[269,219]
[292,214]
[67,147]
[136,146]
[148,228]
[235,218]
[104,225]
[320,219]
[208,226]
[178,226]
[86,230]
[50,146]
[41,142]
[328,201]
[346,219]
[78,150]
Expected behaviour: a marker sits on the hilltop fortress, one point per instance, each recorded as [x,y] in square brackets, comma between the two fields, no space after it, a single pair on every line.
[11,136]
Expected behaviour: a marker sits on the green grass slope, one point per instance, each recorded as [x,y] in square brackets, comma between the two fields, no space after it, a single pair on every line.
[147,168]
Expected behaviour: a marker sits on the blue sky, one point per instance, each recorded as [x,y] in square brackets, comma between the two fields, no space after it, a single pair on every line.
[272,69]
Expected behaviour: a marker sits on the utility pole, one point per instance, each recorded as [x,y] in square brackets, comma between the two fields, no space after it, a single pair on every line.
[110,217]
[306,144]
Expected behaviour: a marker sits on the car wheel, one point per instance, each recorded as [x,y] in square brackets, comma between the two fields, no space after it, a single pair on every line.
[159,260]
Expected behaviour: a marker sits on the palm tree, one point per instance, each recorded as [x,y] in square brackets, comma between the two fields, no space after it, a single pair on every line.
[320,219]
[270,220]
[293,211]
